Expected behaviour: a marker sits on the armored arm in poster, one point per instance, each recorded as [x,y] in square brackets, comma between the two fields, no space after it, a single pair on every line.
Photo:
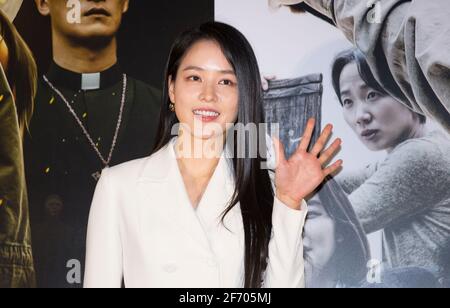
[406,43]
[16,262]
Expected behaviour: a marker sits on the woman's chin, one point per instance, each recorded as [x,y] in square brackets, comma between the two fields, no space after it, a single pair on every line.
[209,133]
[205,135]
[374,147]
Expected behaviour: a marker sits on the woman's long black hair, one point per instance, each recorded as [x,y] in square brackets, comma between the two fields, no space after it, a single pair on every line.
[253,188]
[352,252]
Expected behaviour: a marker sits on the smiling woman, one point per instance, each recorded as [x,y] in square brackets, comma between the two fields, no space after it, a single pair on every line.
[226,224]
[187,95]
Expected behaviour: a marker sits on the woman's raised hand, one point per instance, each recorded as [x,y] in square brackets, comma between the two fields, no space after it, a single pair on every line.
[300,176]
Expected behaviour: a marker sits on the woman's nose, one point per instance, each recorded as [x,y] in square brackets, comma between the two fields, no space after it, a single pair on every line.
[363,116]
[208,93]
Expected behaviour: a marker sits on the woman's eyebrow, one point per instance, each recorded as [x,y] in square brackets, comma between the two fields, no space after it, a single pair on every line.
[345,92]
[362,86]
[197,68]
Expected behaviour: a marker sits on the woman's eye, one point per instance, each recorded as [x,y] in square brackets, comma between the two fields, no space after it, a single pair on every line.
[347,103]
[226,82]
[194,78]
[372,95]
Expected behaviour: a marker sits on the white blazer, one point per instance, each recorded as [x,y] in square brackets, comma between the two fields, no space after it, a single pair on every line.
[142,228]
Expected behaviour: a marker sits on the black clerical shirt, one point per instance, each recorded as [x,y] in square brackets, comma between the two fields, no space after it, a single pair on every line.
[61,162]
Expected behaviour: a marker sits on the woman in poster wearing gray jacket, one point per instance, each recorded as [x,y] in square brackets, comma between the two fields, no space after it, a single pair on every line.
[407,194]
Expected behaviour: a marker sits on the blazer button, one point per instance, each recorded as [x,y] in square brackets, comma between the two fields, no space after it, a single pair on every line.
[170,268]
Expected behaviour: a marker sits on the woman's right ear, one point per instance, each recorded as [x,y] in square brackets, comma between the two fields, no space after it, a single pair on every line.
[43,7]
[171,89]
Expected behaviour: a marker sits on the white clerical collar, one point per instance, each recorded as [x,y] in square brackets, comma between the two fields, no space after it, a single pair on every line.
[66,79]
[90,81]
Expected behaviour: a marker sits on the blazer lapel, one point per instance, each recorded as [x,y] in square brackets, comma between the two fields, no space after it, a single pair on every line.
[162,177]
[217,196]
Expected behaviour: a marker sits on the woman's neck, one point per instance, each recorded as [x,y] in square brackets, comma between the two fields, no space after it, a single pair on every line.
[197,157]
[417,131]
[197,164]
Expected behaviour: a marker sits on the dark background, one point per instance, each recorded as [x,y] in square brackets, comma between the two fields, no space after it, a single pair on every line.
[145,37]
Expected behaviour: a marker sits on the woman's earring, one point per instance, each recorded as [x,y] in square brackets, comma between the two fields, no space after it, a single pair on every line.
[172,107]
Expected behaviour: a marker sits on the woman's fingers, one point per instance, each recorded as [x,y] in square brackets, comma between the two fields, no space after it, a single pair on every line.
[265,81]
[333,168]
[329,153]
[322,141]
[306,139]
[279,151]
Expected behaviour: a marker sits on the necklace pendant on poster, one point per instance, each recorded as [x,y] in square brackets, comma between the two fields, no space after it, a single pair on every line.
[106,161]
[97,175]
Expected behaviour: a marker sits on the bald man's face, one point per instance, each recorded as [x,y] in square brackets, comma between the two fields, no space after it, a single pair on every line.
[84,19]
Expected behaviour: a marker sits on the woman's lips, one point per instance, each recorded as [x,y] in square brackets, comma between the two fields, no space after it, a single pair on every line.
[369,134]
[206,115]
